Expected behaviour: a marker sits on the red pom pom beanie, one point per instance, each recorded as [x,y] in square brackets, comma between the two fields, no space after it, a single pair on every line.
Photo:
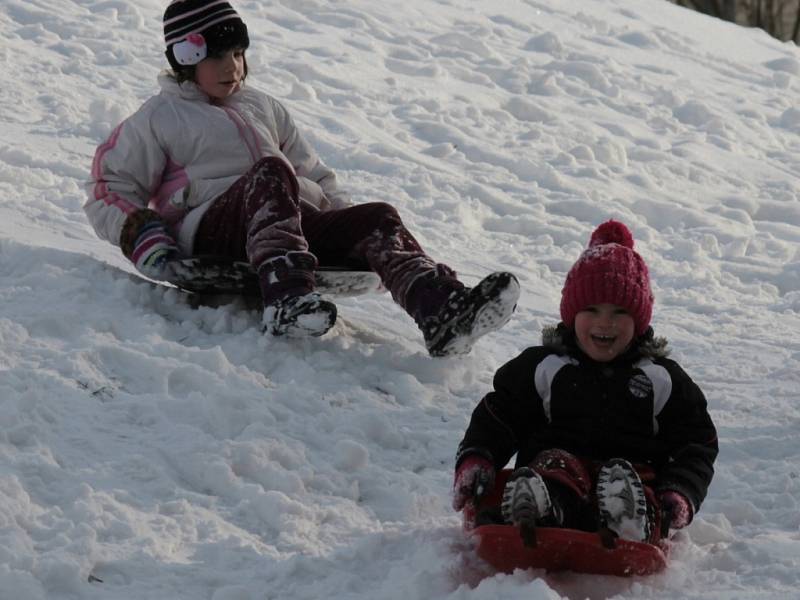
[609,272]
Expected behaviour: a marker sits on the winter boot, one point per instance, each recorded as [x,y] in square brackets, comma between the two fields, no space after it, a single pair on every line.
[470,313]
[622,503]
[300,316]
[526,502]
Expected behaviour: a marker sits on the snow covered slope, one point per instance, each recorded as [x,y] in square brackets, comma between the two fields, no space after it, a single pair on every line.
[176,453]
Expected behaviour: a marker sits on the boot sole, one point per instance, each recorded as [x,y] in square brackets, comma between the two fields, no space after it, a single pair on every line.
[504,293]
[621,501]
[526,501]
[311,325]
[316,322]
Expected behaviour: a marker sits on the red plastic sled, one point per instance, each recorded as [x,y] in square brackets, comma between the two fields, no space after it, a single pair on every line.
[558,549]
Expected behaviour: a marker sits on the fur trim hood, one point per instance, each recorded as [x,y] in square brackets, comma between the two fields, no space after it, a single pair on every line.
[562,340]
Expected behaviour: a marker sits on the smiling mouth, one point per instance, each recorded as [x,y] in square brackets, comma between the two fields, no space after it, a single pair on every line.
[604,339]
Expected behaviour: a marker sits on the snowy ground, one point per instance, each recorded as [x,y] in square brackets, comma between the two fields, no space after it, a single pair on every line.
[177,454]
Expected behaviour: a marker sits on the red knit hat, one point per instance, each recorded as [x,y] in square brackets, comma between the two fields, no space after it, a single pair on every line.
[609,272]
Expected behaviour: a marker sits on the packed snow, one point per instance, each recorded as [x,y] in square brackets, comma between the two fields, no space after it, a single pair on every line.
[149,449]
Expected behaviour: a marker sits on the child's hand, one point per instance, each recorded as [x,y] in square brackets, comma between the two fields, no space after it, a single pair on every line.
[474,478]
[676,510]
[153,248]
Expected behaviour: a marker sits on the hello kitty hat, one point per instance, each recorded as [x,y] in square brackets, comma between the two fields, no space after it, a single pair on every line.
[195,29]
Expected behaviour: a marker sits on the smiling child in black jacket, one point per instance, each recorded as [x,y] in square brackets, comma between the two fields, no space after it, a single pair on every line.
[610,434]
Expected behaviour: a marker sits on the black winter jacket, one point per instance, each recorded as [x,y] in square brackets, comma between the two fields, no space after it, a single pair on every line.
[641,406]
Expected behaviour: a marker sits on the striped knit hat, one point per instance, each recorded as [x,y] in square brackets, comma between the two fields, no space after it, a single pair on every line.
[609,271]
[194,29]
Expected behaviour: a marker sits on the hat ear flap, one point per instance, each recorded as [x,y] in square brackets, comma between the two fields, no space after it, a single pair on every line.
[182,72]
[171,59]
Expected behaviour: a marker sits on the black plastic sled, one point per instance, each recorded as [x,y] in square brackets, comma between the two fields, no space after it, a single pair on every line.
[219,276]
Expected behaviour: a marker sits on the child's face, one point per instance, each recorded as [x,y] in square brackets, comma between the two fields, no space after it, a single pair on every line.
[604,331]
[221,76]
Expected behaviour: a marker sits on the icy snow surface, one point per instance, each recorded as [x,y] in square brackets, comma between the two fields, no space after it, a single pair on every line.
[177,454]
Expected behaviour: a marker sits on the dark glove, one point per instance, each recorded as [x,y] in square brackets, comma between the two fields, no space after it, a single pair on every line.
[474,478]
[148,244]
[676,511]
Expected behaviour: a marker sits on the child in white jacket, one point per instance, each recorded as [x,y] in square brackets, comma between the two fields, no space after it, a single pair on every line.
[209,166]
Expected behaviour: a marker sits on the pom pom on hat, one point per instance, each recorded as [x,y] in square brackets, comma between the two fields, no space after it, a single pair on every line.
[609,271]
[612,232]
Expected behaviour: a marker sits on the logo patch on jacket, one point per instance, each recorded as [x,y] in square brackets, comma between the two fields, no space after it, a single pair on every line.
[640,386]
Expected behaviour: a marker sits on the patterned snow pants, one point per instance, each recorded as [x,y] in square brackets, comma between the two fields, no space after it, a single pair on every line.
[260,219]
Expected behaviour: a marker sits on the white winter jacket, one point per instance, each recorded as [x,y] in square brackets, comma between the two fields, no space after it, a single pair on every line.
[178,152]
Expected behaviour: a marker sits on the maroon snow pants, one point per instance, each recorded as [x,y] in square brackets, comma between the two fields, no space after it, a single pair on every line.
[260,219]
